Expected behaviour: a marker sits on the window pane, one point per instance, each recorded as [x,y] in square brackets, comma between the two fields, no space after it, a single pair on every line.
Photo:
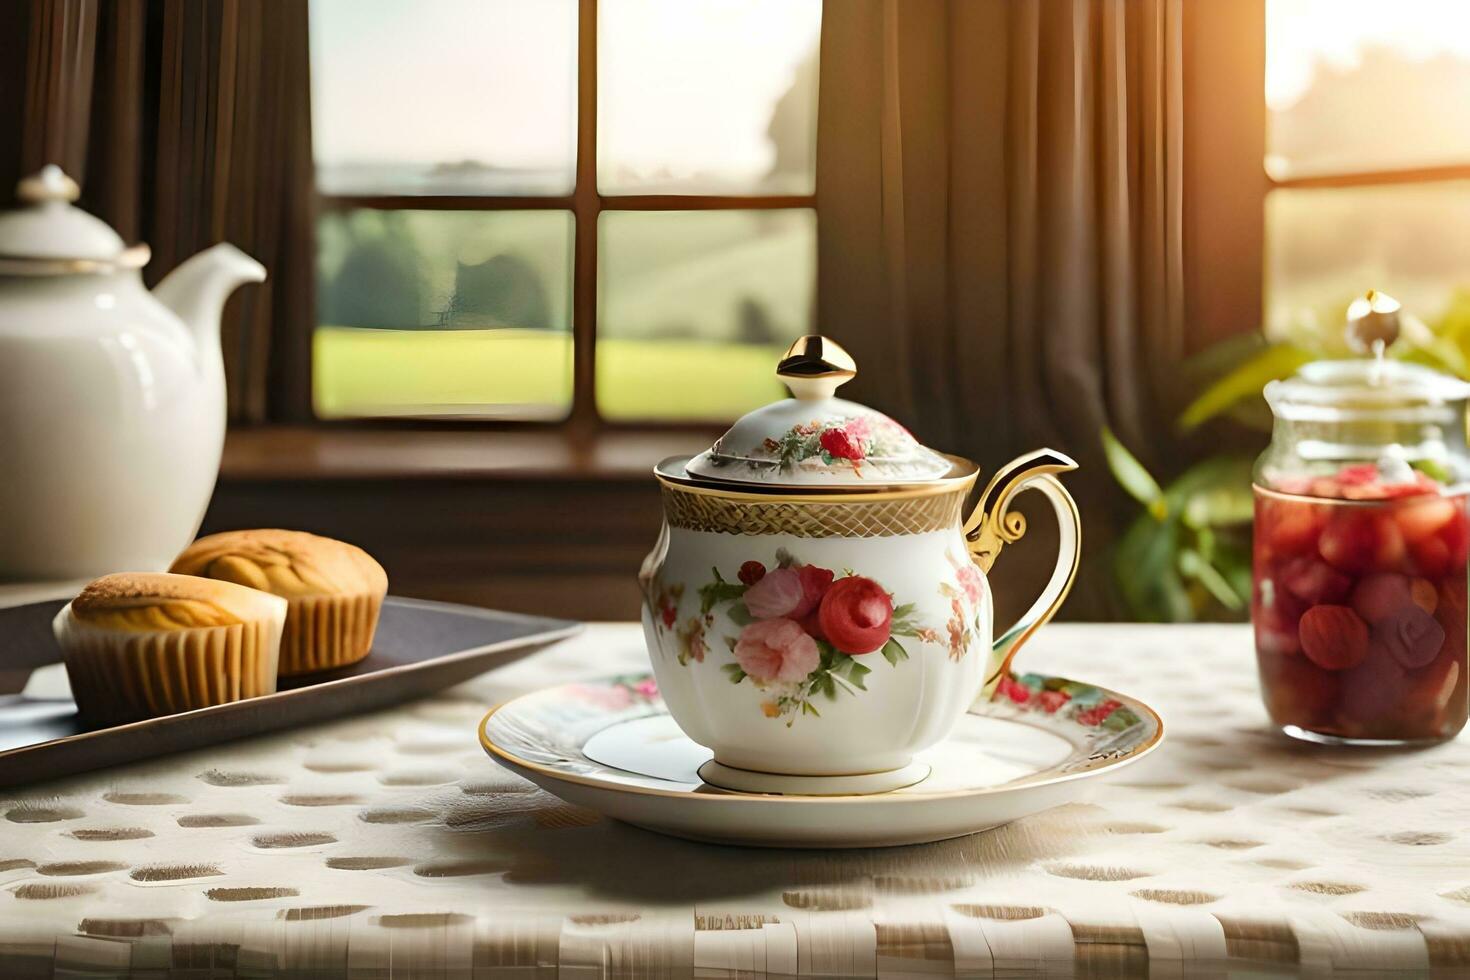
[1355,85]
[444,96]
[715,97]
[444,313]
[697,306]
[1326,246]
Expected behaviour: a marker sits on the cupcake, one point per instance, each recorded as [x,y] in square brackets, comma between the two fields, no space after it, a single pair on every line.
[138,645]
[334,590]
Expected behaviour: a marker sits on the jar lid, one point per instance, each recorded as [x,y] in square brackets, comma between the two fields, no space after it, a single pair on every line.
[48,235]
[815,439]
[1359,389]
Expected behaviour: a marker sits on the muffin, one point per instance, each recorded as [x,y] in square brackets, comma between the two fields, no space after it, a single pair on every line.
[334,590]
[141,644]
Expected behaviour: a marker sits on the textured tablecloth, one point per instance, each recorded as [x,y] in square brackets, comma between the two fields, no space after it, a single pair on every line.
[388,845]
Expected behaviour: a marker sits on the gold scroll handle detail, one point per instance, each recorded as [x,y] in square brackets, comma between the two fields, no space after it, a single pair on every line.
[993,525]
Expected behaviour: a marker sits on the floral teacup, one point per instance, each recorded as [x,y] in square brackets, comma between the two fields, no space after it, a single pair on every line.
[816,607]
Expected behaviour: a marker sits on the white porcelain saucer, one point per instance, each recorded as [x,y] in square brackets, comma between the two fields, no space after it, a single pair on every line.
[611,746]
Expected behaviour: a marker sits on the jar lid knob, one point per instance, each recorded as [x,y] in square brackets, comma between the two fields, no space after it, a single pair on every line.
[814,366]
[1372,323]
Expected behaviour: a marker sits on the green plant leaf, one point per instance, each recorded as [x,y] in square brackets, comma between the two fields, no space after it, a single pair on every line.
[856,673]
[1147,575]
[1208,476]
[1246,380]
[1222,506]
[1433,469]
[1253,414]
[1192,566]
[739,615]
[1232,559]
[734,672]
[1453,324]
[1214,493]
[1131,476]
[893,652]
[1441,354]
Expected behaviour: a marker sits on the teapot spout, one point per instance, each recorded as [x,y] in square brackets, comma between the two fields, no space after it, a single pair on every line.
[196,292]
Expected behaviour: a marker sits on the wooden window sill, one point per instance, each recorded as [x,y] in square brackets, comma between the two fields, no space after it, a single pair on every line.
[276,453]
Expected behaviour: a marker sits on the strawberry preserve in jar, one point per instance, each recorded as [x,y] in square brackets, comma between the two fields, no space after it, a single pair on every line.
[1361,541]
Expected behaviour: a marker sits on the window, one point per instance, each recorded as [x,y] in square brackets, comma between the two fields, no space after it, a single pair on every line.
[536,209]
[1367,157]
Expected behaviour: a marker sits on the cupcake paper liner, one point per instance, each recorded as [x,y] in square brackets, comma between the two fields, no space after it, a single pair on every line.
[326,632]
[118,677]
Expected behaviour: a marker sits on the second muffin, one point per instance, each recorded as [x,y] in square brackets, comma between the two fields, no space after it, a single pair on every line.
[334,590]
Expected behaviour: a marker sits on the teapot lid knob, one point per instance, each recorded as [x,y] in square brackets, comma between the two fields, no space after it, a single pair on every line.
[814,366]
[50,183]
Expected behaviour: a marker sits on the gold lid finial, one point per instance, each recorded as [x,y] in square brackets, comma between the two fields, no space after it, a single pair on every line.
[1372,322]
[814,366]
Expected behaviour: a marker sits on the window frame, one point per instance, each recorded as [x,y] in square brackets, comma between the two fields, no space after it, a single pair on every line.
[586,203]
[1226,179]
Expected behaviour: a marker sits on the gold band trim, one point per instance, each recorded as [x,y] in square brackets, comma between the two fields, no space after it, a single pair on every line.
[34,265]
[830,518]
[671,473]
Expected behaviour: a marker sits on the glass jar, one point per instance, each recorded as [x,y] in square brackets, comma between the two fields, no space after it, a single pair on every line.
[1360,554]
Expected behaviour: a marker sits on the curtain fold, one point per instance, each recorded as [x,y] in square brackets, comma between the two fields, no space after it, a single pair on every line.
[1018,164]
[186,123]
[1094,203]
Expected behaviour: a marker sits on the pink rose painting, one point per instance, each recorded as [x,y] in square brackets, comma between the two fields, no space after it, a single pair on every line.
[971,582]
[802,631]
[692,645]
[964,598]
[776,650]
[689,634]
[777,594]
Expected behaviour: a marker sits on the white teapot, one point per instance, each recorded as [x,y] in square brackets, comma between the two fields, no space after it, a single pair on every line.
[112,399]
[816,607]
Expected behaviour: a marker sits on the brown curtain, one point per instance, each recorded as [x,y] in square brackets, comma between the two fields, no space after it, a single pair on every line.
[999,185]
[186,123]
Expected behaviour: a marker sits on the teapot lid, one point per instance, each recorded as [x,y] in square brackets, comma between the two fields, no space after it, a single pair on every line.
[48,235]
[815,439]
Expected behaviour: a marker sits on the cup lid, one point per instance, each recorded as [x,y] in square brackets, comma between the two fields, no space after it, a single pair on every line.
[48,235]
[815,439]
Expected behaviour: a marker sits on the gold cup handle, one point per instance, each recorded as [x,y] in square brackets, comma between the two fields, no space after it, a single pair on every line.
[992,526]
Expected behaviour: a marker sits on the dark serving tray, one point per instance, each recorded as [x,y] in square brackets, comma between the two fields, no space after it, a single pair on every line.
[420,647]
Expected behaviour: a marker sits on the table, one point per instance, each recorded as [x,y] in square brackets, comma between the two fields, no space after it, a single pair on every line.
[389,845]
